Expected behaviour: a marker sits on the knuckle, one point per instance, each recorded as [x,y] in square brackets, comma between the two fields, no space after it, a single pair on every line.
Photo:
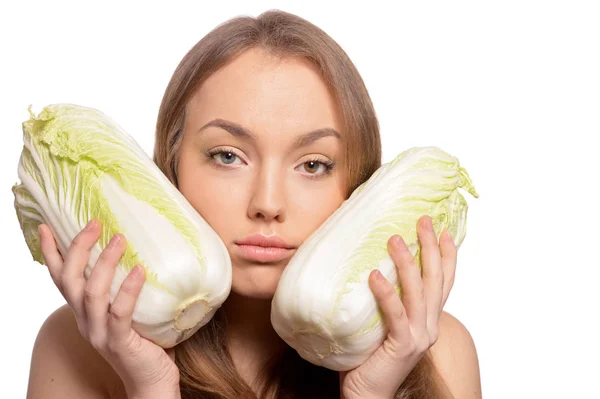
[112,252]
[78,241]
[91,294]
[387,294]
[405,256]
[128,288]
[399,313]
[118,314]
[421,292]
[112,246]
[410,265]
[387,290]
[105,256]
[434,273]
[392,347]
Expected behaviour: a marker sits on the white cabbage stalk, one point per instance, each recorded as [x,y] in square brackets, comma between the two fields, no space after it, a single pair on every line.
[323,306]
[78,164]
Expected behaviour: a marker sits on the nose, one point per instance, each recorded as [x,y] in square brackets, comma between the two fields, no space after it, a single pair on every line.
[268,197]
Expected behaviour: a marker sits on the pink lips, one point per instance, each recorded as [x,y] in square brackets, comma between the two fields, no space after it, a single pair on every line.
[259,248]
[264,254]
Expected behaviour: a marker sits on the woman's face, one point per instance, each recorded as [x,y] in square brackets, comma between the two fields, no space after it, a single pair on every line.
[260,137]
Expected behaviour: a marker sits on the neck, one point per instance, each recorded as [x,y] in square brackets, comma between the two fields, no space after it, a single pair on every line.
[250,335]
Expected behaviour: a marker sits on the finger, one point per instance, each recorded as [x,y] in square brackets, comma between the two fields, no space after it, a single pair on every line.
[449,254]
[97,289]
[119,319]
[52,257]
[171,353]
[391,306]
[77,258]
[409,276]
[431,265]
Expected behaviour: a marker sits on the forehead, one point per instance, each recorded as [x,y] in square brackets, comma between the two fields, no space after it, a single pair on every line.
[267,94]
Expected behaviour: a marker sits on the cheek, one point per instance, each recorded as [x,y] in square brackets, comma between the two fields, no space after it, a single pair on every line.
[313,209]
[219,206]
[217,200]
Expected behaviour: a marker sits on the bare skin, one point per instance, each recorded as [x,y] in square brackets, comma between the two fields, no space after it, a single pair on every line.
[265,185]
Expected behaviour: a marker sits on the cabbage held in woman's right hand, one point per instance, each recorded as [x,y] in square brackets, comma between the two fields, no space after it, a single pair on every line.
[76,165]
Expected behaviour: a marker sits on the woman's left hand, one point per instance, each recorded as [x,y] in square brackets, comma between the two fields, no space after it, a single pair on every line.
[412,320]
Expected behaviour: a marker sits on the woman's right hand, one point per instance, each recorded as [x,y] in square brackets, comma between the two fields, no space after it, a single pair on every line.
[146,369]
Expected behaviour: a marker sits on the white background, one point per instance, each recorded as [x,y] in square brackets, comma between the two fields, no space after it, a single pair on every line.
[511,87]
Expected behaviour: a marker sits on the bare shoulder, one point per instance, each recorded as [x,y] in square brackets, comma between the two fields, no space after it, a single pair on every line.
[64,365]
[455,356]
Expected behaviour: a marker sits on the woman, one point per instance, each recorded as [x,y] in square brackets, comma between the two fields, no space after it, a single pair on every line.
[266,127]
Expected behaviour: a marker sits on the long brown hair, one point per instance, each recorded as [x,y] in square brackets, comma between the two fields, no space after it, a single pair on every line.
[206,367]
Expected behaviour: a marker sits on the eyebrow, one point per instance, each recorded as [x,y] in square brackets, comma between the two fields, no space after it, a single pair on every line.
[245,134]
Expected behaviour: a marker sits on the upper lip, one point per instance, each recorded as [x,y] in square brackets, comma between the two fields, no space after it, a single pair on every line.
[263,241]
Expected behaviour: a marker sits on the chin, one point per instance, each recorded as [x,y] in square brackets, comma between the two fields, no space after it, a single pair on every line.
[257,281]
[266,295]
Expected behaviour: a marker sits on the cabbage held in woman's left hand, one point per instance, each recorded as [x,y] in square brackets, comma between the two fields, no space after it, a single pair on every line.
[324,307]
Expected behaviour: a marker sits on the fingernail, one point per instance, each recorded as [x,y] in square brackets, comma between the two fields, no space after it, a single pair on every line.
[398,242]
[428,224]
[114,241]
[138,270]
[377,274]
[90,225]
[447,234]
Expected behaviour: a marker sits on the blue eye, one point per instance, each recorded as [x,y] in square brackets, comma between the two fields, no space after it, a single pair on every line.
[222,156]
[227,157]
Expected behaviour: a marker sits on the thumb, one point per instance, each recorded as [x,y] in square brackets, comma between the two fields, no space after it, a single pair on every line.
[343,375]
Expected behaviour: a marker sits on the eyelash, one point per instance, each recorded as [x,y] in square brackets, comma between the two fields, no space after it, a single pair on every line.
[328,165]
